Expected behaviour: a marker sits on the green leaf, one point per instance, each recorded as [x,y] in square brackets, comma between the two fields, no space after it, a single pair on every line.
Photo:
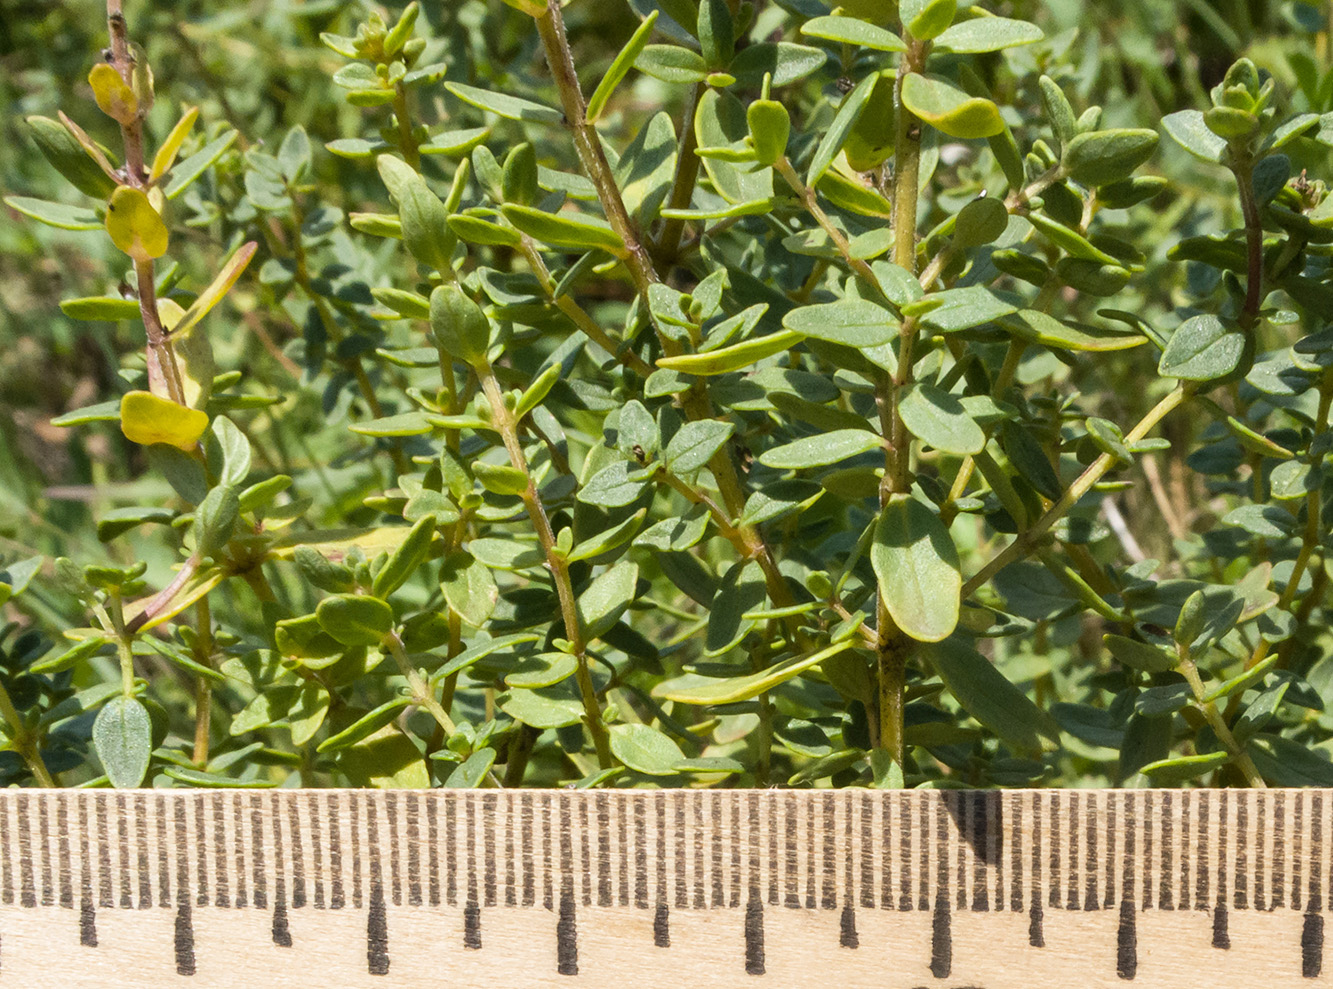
[67,156]
[733,358]
[406,559]
[471,773]
[60,215]
[852,31]
[542,670]
[1186,128]
[722,130]
[850,322]
[1286,762]
[916,565]
[785,62]
[1183,768]
[501,479]
[980,222]
[566,231]
[927,19]
[989,697]
[505,105]
[950,110]
[119,521]
[645,749]
[71,657]
[1070,240]
[425,219]
[215,520]
[226,277]
[387,760]
[843,121]
[1058,112]
[606,598]
[107,308]
[1203,348]
[469,588]
[460,327]
[547,707]
[716,32]
[1264,521]
[355,619]
[821,450]
[1106,156]
[619,68]
[958,308]
[123,738]
[939,419]
[184,173]
[695,689]
[1038,327]
[986,34]
[1140,655]
[671,63]
[694,445]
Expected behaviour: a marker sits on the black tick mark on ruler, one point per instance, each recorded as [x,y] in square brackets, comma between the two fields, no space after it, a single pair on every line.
[941,938]
[662,926]
[1312,945]
[1221,935]
[1127,942]
[848,938]
[282,935]
[377,934]
[754,934]
[472,925]
[567,937]
[87,925]
[184,940]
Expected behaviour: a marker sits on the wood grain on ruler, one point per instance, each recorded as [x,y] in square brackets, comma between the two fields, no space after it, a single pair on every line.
[912,888]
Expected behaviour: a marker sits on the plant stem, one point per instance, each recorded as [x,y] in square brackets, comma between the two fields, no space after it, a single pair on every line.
[1084,483]
[811,203]
[551,27]
[407,143]
[1254,242]
[667,247]
[555,564]
[203,688]
[1215,720]
[23,741]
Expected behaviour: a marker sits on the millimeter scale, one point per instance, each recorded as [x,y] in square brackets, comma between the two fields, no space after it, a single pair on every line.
[644,888]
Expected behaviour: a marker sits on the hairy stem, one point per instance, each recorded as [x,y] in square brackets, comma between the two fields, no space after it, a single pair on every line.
[556,564]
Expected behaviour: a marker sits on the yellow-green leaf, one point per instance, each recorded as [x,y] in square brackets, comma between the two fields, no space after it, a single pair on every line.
[166,154]
[949,109]
[212,295]
[147,418]
[135,227]
[113,94]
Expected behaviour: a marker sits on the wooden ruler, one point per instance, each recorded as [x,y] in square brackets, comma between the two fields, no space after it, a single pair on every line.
[850,888]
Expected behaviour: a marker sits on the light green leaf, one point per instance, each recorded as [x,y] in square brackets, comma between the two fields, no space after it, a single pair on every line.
[619,68]
[471,773]
[1203,348]
[505,105]
[355,619]
[1183,768]
[567,231]
[843,122]
[694,689]
[645,750]
[184,173]
[546,707]
[733,358]
[939,419]
[851,322]
[852,31]
[950,110]
[404,562]
[672,63]
[55,214]
[1106,156]
[606,598]
[1186,128]
[469,588]
[986,34]
[123,738]
[916,564]
[694,445]
[821,450]
[109,308]
[1038,327]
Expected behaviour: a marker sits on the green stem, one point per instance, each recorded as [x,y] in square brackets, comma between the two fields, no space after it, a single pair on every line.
[1215,720]
[667,248]
[556,564]
[203,687]
[1027,539]
[25,744]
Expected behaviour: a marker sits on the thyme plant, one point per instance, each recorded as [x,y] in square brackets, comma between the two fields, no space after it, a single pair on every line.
[695,392]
